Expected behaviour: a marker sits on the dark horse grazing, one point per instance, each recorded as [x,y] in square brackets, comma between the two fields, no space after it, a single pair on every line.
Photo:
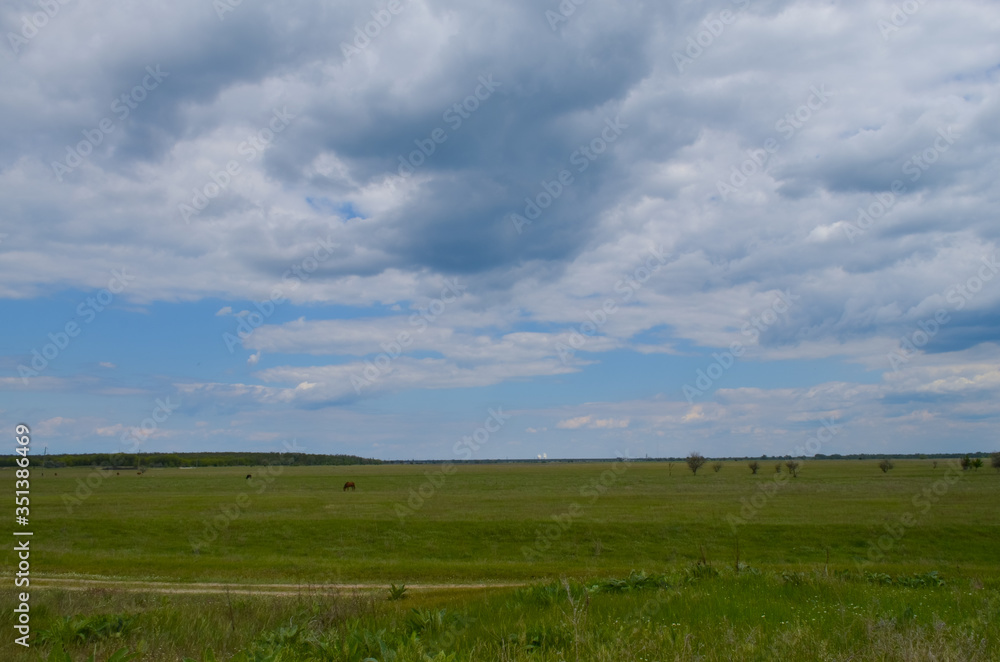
[249,476]
[349,486]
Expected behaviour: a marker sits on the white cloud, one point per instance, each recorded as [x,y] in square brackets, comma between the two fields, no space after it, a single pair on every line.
[573,423]
[592,423]
[329,181]
[610,423]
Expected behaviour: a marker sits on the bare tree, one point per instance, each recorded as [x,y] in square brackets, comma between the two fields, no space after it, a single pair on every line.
[793,468]
[754,466]
[885,465]
[716,467]
[695,462]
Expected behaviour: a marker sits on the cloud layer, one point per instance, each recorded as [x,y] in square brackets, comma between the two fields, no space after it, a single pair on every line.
[495,200]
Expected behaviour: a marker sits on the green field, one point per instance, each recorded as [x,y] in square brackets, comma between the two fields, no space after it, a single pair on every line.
[795,574]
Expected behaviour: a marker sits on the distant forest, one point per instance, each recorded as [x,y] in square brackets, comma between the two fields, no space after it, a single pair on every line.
[158,460]
[818,456]
[246,459]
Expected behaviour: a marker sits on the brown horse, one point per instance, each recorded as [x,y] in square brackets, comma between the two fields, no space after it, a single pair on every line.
[349,486]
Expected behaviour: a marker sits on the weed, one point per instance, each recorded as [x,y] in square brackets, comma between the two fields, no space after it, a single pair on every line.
[82,630]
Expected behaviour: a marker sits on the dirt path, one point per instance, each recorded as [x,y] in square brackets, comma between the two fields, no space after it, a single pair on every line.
[209,588]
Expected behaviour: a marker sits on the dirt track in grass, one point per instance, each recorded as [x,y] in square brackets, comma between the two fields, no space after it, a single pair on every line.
[208,588]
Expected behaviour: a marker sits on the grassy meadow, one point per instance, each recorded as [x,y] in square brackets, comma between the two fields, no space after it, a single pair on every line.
[629,560]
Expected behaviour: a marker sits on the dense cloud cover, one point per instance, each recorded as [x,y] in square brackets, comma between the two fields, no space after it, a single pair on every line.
[640,227]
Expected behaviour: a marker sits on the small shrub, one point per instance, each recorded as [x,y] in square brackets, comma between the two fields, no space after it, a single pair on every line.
[542,595]
[754,466]
[716,467]
[995,461]
[82,630]
[794,578]
[885,465]
[636,581]
[843,575]
[793,468]
[397,592]
[777,468]
[695,462]
[427,620]
[879,578]
[700,571]
[919,581]
[966,463]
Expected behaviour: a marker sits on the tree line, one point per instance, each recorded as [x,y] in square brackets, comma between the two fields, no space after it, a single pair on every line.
[175,460]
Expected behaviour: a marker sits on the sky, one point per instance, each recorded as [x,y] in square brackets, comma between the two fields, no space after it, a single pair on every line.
[431,229]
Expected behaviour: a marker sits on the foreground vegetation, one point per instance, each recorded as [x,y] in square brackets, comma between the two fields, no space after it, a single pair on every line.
[840,560]
[700,613]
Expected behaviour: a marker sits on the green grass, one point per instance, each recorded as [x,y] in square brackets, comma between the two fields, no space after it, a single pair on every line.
[476,526]
[683,616]
[495,523]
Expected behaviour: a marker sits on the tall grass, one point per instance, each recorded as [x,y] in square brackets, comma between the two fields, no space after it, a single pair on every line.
[683,614]
[791,583]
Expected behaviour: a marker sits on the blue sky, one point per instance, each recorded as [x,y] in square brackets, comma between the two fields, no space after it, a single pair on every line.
[719,226]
